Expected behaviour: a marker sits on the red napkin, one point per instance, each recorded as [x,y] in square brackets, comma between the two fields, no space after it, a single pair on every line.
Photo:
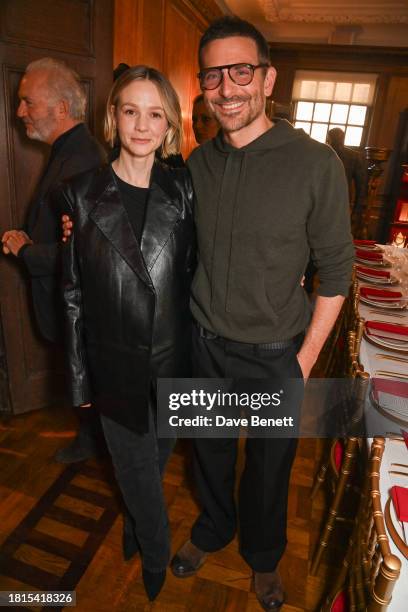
[369,255]
[364,242]
[399,388]
[387,330]
[371,272]
[380,294]
[400,500]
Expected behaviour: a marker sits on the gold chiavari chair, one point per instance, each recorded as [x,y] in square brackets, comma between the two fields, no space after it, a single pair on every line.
[342,452]
[369,571]
[385,567]
[334,514]
[342,466]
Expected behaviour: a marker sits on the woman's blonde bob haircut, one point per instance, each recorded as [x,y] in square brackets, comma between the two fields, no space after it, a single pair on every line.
[171,105]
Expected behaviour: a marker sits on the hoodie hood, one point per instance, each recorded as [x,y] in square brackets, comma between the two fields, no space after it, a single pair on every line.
[280,134]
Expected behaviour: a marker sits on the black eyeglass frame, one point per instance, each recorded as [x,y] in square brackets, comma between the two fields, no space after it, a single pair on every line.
[228,67]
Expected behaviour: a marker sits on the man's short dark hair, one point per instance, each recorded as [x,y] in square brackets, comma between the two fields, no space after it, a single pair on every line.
[335,137]
[234,26]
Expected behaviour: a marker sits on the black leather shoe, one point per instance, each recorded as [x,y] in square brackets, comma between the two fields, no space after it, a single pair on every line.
[269,590]
[187,561]
[82,447]
[153,582]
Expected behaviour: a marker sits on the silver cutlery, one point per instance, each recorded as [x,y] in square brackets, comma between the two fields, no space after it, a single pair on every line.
[387,314]
[389,374]
[391,358]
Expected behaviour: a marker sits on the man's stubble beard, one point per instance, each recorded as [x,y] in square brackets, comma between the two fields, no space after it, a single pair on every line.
[43,128]
[255,108]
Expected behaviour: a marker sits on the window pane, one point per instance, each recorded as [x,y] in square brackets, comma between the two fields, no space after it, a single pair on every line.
[325,90]
[357,114]
[308,89]
[361,93]
[321,111]
[353,136]
[304,111]
[343,92]
[339,113]
[304,125]
[319,131]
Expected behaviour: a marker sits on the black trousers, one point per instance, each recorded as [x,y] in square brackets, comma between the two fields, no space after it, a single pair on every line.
[263,491]
[139,461]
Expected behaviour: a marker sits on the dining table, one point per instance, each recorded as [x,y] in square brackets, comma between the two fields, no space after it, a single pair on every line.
[386,361]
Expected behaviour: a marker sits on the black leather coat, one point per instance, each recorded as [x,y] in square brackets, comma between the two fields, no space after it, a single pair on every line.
[127,306]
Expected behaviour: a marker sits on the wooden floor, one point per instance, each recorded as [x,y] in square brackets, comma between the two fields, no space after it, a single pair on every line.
[60,528]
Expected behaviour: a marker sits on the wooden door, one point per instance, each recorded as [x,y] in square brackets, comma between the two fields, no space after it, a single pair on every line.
[80,33]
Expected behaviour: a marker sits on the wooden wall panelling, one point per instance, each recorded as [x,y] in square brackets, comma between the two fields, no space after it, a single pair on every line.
[40,22]
[139,32]
[152,37]
[377,114]
[126,22]
[180,61]
[395,102]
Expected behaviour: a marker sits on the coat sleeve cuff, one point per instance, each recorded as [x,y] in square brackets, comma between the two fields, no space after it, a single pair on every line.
[22,250]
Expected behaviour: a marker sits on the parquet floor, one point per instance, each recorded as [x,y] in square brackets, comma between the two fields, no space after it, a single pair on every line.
[60,528]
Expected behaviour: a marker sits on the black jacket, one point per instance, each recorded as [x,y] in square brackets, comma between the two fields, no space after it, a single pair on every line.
[127,306]
[79,152]
[356,174]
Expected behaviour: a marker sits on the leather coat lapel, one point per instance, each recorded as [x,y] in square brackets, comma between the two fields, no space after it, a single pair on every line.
[110,216]
[162,214]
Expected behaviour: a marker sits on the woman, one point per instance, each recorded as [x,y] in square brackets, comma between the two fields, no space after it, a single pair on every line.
[127,272]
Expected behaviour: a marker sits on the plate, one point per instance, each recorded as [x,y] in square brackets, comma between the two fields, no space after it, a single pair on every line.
[375,264]
[397,346]
[383,304]
[378,280]
[400,420]
[372,248]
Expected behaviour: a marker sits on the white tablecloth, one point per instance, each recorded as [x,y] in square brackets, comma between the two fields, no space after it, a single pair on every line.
[395,451]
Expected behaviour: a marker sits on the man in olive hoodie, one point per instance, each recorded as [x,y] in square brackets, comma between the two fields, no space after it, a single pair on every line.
[268,196]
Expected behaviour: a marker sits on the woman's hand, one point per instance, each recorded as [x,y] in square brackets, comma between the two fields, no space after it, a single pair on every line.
[67,226]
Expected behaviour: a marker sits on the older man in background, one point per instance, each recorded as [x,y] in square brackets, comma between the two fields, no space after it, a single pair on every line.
[205,125]
[52,107]
[355,169]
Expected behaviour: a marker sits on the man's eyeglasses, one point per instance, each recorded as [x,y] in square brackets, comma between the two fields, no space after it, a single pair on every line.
[241,74]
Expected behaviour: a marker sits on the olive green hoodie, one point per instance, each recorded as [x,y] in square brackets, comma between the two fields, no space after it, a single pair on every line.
[260,211]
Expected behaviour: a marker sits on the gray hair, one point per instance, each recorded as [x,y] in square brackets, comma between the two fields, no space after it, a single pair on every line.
[63,84]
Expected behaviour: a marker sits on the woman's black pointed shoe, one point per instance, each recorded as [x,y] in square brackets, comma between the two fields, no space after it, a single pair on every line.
[153,582]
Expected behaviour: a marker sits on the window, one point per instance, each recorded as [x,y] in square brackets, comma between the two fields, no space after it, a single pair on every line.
[327,100]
